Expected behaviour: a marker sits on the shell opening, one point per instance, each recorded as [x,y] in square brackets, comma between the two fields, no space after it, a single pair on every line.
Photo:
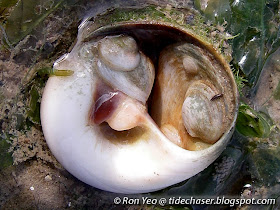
[171,73]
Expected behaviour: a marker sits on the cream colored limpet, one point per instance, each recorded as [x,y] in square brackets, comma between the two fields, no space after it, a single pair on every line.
[119,52]
[112,66]
[203,117]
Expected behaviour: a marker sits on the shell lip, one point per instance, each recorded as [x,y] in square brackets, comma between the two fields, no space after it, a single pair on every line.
[121,27]
[177,33]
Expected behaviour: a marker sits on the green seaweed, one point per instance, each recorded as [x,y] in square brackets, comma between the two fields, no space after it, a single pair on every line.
[214,10]
[26,15]
[5,8]
[251,123]
[256,22]
[240,80]
[33,94]
[6,158]
[56,72]
[7,3]
[33,112]
[276,93]
[253,20]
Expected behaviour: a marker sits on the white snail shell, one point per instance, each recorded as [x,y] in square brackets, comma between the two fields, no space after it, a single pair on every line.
[128,151]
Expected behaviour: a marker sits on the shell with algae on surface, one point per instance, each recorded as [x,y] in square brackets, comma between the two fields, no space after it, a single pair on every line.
[149,104]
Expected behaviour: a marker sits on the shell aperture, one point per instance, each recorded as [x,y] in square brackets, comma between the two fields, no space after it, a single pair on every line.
[133,120]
